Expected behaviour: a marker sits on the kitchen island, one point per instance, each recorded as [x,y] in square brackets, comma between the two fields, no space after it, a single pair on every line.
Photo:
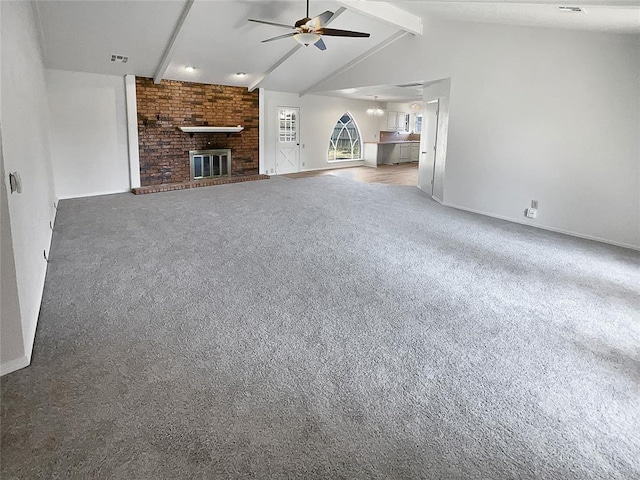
[390,153]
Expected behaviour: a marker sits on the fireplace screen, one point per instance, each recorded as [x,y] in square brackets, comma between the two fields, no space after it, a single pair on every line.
[210,163]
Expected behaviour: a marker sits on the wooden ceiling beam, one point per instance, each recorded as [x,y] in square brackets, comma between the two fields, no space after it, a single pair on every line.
[386,12]
[168,51]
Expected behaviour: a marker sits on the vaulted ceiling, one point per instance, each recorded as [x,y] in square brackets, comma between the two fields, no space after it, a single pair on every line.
[161,38]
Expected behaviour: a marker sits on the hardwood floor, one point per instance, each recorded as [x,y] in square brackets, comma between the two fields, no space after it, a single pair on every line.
[401,174]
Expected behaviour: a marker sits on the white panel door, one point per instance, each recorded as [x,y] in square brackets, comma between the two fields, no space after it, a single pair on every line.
[288,146]
[428,139]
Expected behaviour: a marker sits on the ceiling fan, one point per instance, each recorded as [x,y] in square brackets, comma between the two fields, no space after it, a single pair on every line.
[310,30]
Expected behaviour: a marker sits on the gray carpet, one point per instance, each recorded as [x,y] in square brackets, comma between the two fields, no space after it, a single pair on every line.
[324,328]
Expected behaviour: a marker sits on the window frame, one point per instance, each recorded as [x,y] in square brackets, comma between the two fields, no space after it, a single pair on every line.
[415,123]
[332,150]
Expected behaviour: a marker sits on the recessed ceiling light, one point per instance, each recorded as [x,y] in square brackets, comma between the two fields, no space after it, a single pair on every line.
[570,9]
[241,74]
[190,69]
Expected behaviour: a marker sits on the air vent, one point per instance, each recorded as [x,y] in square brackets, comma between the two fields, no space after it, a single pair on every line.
[570,9]
[410,85]
[119,58]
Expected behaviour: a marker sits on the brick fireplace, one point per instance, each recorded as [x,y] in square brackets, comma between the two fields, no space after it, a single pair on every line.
[164,148]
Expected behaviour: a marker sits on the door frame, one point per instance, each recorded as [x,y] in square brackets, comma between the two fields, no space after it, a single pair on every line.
[277,146]
[435,140]
[432,149]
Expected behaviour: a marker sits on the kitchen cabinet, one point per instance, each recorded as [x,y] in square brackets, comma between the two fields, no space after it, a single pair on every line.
[395,154]
[392,120]
[415,152]
[398,121]
[405,152]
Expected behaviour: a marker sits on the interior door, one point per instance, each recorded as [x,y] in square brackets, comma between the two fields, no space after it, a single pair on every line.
[428,142]
[288,146]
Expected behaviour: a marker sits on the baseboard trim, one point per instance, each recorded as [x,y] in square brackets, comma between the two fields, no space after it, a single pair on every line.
[542,227]
[13,365]
[94,194]
[357,163]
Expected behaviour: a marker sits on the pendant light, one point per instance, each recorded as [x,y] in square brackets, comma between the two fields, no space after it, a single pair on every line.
[375,110]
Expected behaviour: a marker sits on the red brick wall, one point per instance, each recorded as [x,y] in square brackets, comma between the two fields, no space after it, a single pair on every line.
[163,108]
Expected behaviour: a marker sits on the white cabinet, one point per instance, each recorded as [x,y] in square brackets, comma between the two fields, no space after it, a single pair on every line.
[415,152]
[394,156]
[398,121]
[392,120]
[405,152]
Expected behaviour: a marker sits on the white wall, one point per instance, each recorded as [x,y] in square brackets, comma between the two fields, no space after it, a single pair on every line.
[88,133]
[25,144]
[318,117]
[534,113]
[11,338]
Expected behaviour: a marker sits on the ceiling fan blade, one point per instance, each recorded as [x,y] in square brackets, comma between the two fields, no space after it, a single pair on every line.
[320,44]
[320,20]
[279,37]
[270,23]
[333,32]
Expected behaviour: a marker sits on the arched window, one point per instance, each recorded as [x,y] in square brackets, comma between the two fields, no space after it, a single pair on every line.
[344,143]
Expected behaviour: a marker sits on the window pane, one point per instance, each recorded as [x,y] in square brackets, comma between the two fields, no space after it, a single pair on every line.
[197,167]
[206,169]
[222,166]
[344,143]
[288,125]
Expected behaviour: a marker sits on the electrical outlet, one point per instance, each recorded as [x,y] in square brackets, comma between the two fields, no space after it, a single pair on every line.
[532,212]
[534,204]
[303,164]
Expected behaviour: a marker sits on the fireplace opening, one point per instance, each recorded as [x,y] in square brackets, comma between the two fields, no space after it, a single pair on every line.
[210,163]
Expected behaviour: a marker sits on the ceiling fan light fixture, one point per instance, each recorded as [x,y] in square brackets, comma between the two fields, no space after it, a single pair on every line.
[306,38]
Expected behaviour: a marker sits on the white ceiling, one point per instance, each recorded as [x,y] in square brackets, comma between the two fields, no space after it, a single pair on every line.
[385,93]
[217,39]
[220,42]
[622,16]
[82,35]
